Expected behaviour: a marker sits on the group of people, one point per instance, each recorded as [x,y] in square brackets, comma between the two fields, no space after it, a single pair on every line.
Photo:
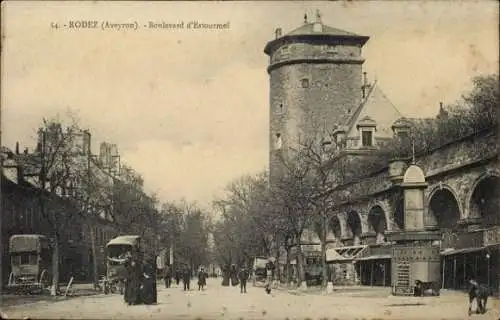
[140,284]
[185,274]
[233,277]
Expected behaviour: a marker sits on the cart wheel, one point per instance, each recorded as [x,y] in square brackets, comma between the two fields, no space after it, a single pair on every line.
[44,280]
[106,288]
[11,279]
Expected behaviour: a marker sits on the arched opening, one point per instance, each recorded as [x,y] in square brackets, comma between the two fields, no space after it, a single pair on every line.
[444,210]
[399,214]
[485,202]
[377,223]
[354,223]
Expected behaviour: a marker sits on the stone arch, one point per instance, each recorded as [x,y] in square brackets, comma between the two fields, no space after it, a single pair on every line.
[377,222]
[335,225]
[385,208]
[483,201]
[443,208]
[355,224]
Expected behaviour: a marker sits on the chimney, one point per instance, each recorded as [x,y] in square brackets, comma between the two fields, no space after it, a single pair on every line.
[365,85]
[278,33]
[17,147]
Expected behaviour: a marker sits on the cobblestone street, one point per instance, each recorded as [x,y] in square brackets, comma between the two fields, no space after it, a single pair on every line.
[218,302]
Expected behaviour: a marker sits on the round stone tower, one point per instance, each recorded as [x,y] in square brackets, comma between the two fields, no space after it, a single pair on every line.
[316,83]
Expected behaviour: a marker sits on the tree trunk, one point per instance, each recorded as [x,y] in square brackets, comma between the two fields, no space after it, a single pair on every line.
[324,266]
[300,263]
[278,273]
[288,265]
[94,257]
[55,265]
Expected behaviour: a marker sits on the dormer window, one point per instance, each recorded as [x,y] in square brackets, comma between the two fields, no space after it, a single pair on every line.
[367,127]
[403,135]
[366,138]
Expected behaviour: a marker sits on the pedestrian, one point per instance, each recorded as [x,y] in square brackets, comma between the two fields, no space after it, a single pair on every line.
[167,276]
[479,292]
[202,279]
[269,275]
[186,278]
[243,275]
[132,283]
[226,276]
[177,276]
[149,291]
[234,276]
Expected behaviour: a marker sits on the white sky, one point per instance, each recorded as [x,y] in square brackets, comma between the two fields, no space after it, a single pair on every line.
[189,109]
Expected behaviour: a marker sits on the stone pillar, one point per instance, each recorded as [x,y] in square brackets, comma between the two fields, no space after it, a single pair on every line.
[414,255]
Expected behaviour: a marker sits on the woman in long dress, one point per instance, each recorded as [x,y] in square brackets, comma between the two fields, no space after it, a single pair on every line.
[131,294]
[149,290]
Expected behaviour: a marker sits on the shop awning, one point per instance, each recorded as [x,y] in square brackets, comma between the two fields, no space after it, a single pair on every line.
[344,254]
[449,252]
[375,257]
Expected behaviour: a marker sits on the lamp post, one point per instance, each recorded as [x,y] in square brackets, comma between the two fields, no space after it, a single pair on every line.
[488,266]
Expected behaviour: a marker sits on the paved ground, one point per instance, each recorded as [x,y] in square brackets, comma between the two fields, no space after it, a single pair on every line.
[218,302]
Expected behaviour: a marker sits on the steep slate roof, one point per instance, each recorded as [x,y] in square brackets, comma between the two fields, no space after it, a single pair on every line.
[355,115]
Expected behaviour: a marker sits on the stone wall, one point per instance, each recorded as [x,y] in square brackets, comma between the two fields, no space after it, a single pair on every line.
[458,166]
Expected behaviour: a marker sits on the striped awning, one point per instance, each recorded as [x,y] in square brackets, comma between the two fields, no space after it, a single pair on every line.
[375,257]
[449,252]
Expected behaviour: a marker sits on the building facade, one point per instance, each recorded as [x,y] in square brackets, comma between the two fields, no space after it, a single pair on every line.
[23,198]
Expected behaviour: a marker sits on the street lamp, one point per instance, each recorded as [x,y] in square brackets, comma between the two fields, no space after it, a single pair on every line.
[488,265]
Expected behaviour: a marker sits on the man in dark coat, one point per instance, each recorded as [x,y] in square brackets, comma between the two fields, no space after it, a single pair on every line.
[177,276]
[479,292]
[243,275]
[167,276]
[269,275]
[132,284]
[202,279]
[186,278]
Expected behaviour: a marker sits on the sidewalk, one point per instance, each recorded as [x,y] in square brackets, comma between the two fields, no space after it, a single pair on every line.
[77,290]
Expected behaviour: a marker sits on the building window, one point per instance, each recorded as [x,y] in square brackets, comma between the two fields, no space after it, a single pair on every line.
[366,138]
[278,141]
[305,83]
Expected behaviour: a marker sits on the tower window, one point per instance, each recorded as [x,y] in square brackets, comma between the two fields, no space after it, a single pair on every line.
[281,107]
[366,138]
[305,83]
[278,141]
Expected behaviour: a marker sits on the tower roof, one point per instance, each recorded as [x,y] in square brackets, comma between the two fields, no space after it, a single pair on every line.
[315,31]
[309,29]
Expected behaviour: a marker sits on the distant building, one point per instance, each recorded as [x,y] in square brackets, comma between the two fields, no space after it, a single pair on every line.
[22,192]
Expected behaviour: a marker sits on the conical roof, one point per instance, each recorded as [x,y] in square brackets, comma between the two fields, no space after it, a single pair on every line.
[315,30]
[309,29]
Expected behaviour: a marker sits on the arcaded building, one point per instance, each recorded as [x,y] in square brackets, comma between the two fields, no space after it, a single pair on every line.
[318,89]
